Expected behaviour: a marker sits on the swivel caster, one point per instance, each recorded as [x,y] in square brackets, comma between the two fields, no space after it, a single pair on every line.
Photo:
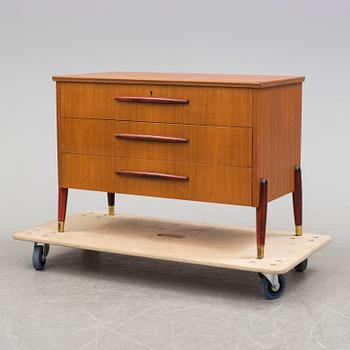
[301,267]
[40,253]
[272,286]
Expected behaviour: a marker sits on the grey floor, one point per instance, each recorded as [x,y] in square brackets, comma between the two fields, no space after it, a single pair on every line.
[88,300]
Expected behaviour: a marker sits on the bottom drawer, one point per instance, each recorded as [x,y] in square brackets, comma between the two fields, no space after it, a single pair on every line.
[198,182]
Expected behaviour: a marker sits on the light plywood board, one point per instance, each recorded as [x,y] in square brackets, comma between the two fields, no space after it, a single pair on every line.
[218,246]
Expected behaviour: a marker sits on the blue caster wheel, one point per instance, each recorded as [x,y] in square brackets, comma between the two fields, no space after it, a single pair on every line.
[267,289]
[39,256]
[301,267]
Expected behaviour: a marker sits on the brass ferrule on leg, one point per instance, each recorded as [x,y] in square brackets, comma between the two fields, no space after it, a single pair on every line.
[60,226]
[260,252]
[298,230]
[111,210]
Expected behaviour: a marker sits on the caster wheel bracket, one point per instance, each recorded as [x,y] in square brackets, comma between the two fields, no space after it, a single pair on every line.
[273,279]
[272,286]
[46,250]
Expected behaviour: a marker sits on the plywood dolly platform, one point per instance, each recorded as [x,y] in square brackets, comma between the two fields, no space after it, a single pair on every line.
[219,246]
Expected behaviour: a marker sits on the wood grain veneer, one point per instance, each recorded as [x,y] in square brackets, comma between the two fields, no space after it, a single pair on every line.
[276,139]
[207,106]
[214,145]
[184,79]
[207,183]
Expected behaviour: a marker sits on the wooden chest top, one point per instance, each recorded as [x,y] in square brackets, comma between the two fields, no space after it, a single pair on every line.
[227,80]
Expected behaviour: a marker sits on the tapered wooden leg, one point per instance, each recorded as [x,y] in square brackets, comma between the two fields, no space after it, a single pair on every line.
[111,202]
[261,214]
[62,206]
[298,201]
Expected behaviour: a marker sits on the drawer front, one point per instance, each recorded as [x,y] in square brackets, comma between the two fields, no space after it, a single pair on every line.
[158,141]
[198,182]
[170,104]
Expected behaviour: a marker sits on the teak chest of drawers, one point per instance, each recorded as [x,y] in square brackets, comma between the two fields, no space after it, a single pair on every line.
[214,138]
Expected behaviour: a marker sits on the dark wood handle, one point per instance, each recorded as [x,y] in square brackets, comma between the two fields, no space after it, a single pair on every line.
[151,175]
[156,100]
[140,137]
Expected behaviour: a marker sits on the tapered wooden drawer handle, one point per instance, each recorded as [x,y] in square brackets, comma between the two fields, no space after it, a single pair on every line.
[140,137]
[155,100]
[151,175]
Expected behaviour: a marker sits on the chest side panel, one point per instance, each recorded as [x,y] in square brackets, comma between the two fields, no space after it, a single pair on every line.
[276,139]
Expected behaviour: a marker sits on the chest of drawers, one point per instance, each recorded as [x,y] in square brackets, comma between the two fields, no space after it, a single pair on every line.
[214,138]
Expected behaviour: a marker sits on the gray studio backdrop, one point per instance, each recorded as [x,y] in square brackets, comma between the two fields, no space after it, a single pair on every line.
[41,38]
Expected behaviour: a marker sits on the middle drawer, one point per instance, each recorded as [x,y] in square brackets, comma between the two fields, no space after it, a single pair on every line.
[158,141]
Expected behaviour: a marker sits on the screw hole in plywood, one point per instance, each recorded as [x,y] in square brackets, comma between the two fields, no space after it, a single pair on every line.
[169,235]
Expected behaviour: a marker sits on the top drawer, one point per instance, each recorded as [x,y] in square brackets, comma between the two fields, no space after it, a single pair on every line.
[198,105]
